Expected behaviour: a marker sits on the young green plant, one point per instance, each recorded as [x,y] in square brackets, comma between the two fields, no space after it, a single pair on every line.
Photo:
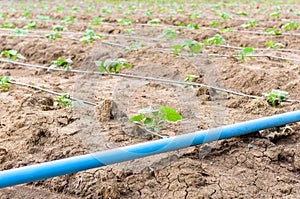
[243,54]
[63,101]
[4,83]
[112,66]
[89,36]
[8,25]
[272,31]
[193,46]
[169,34]
[291,26]
[53,36]
[58,28]
[154,119]
[135,46]
[154,21]
[274,45]
[96,21]
[249,24]
[217,39]
[30,25]
[60,63]
[276,97]
[11,54]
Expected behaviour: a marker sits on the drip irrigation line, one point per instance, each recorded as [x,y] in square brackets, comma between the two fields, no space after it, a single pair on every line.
[114,44]
[139,38]
[223,55]
[213,55]
[147,39]
[172,26]
[49,91]
[81,33]
[257,49]
[36,36]
[160,15]
[154,79]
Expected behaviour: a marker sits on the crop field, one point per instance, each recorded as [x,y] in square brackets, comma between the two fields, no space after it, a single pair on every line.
[78,77]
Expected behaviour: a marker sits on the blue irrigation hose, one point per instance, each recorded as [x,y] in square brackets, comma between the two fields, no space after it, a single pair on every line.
[79,163]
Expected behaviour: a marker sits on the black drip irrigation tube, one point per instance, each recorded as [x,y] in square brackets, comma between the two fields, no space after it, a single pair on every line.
[180,27]
[51,92]
[168,81]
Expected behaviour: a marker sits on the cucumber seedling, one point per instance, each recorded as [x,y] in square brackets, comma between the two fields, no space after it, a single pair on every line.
[124,22]
[3,16]
[169,34]
[274,45]
[242,13]
[249,24]
[106,10]
[75,9]
[214,23]
[63,101]
[272,31]
[60,63]
[8,25]
[4,83]
[243,54]
[11,54]
[112,66]
[291,26]
[192,26]
[217,39]
[135,46]
[89,36]
[129,31]
[58,9]
[18,31]
[190,78]
[53,36]
[275,14]
[153,120]
[43,18]
[276,97]
[193,46]
[30,25]
[96,21]
[58,28]
[68,19]
[225,16]
[154,21]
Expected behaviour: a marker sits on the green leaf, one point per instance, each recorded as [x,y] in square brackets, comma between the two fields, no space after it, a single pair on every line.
[97,21]
[242,13]
[248,50]
[177,49]
[136,118]
[272,31]
[43,18]
[217,39]
[148,122]
[154,21]
[193,45]
[280,94]
[214,23]
[170,114]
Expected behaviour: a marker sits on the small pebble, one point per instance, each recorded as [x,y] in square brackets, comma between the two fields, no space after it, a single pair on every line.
[250,146]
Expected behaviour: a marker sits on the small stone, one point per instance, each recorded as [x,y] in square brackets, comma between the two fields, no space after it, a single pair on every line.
[250,146]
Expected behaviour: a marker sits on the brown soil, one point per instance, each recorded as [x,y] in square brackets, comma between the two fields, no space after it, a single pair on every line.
[264,164]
